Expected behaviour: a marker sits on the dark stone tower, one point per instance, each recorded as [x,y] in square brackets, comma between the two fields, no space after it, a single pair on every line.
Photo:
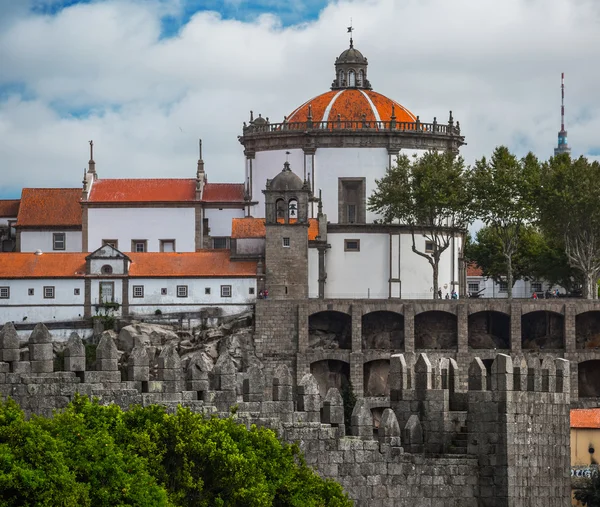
[286,249]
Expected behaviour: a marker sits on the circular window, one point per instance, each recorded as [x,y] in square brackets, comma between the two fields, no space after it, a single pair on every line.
[106,269]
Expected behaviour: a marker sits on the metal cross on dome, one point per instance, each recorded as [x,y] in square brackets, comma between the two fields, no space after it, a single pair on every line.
[350,30]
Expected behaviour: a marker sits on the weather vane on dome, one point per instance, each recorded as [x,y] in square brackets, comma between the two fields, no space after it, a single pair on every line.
[350,30]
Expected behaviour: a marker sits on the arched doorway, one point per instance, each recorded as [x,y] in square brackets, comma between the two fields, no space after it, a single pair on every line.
[489,330]
[436,330]
[542,330]
[588,379]
[587,330]
[331,373]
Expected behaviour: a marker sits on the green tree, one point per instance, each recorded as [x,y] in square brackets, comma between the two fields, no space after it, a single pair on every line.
[589,495]
[504,189]
[569,202]
[430,195]
[536,257]
[90,454]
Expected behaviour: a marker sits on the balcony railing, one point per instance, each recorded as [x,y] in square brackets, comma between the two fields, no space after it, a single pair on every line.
[342,125]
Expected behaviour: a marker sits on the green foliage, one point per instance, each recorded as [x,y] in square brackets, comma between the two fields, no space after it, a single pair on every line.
[569,202]
[590,494]
[97,455]
[431,195]
[505,200]
[536,257]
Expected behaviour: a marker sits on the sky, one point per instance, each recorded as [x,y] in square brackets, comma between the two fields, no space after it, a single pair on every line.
[146,78]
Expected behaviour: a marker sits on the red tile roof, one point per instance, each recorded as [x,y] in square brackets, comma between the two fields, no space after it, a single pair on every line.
[205,263]
[474,270]
[223,192]
[51,265]
[143,190]
[50,207]
[255,228]
[9,208]
[585,418]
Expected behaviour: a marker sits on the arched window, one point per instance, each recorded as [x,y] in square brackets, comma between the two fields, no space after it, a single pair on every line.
[341,78]
[293,210]
[107,269]
[361,78]
[280,209]
[351,78]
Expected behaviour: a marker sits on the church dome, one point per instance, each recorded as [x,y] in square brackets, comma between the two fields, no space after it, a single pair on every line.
[351,55]
[286,180]
[351,104]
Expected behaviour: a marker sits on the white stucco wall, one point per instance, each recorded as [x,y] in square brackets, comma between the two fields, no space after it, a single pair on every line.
[366,274]
[266,165]
[521,288]
[151,224]
[42,240]
[219,220]
[65,305]
[197,298]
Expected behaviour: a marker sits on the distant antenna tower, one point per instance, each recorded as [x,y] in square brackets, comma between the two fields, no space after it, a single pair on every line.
[563,146]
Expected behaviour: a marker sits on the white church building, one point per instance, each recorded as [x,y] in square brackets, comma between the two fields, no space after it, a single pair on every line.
[179,245]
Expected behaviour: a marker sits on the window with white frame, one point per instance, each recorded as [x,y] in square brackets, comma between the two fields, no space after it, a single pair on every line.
[225,291]
[107,292]
[182,291]
[138,291]
[4,292]
[139,245]
[49,292]
[536,286]
[286,242]
[58,241]
[473,286]
[503,287]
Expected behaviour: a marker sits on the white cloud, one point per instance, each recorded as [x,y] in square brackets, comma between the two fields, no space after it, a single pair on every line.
[496,64]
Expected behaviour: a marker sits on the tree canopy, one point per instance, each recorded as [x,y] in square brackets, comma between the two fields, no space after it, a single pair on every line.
[569,204]
[430,194]
[504,188]
[94,455]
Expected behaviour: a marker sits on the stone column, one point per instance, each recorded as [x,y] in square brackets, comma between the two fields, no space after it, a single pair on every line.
[570,328]
[41,353]
[309,399]
[75,354]
[462,323]
[356,328]
[409,328]
[515,327]
[303,327]
[357,373]
[138,365]
[169,370]
[9,345]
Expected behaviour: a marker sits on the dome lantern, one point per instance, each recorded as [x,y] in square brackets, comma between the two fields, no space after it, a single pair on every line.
[351,70]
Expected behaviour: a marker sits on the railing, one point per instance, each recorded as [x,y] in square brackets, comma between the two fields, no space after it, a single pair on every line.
[342,125]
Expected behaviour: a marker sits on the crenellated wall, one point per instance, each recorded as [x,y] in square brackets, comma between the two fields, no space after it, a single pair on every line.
[500,439]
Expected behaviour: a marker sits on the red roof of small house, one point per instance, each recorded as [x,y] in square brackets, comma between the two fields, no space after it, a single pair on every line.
[50,207]
[255,228]
[51,265]
[205,263]
[585,418]
[223,192]
[143,190]
[9,208]
[474,270]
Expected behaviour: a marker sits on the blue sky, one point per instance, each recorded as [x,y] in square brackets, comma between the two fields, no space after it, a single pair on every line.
[146,78]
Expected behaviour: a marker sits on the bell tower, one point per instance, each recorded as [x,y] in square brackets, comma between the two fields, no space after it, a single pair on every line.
[286,248]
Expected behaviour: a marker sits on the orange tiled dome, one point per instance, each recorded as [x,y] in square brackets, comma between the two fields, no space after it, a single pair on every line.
[351,104]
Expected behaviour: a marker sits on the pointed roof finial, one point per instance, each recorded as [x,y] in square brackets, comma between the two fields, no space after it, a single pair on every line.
[251,116]
[200,149]
[350,30]
[320,205]
[91,150]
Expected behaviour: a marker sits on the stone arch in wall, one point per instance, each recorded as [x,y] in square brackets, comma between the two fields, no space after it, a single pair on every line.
[293,209]
[330,330]
[383,330]
[542,330]
[280,213]
[489,330]
[376,378]
[331,373]
[588,379]
[436,330]
[587,330]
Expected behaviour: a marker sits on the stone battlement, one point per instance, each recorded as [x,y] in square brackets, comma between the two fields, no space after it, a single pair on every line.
[494,443]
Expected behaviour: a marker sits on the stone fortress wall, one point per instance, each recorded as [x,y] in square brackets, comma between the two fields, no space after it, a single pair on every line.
[445,434]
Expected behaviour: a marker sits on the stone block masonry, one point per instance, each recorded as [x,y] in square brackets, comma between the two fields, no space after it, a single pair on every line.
[500,440]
